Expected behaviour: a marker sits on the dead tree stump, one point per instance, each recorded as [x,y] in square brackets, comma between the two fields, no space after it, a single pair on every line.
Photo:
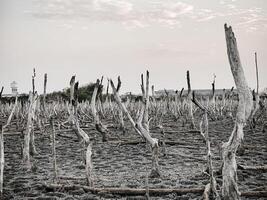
[230,189]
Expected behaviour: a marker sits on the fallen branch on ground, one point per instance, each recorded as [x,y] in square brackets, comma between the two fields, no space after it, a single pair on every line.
[142,191]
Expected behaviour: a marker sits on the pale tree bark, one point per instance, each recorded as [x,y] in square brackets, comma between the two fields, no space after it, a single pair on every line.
[145,101]
[210,192]
[230,189]
[256,98]
[33,114]
[29,147]
[141,130]
[80,132]
[99,126]
[72,83]
[121,121]
[2,155]
[73,119]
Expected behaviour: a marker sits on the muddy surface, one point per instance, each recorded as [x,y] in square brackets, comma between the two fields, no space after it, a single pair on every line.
[122,165]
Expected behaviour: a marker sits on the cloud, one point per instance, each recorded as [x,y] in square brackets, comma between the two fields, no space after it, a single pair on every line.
[116,6]
[124,12]
[140,14]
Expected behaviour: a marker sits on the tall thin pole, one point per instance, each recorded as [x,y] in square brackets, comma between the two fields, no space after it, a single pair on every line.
[257,73]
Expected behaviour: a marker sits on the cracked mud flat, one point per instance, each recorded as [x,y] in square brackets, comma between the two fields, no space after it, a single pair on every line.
[124,165]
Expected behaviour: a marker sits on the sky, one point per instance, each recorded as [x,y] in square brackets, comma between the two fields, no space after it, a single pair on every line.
[91,38]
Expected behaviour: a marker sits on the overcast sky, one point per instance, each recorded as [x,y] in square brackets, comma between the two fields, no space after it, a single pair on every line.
[91,38]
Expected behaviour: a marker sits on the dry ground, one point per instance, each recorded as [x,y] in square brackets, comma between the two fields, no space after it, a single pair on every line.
[124,165]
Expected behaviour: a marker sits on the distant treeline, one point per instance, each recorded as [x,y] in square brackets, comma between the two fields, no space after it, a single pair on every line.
[85,93]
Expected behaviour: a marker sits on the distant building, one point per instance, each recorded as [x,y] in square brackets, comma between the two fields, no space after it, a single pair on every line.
[14,88]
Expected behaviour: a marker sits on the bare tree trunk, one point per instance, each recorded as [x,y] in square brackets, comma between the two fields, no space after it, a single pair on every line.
[33,83]
[28,147]
[121,121]
[230,189]
[257,72]
[72,83]
[1,92]
[189,97]
[141,130]
[256,98]
[213,95]
[54,154]
[146,99]
[44,94]
[99,126]
[210,190]
[79,132]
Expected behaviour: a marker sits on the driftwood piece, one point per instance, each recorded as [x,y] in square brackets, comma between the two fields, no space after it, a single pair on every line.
[142,191]
[262,168]
[229,170]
